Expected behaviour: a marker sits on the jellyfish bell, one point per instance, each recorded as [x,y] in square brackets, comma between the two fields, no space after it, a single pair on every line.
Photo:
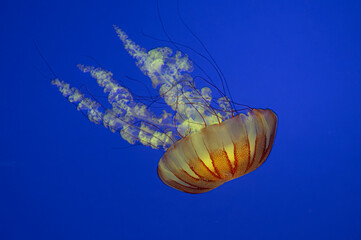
[206,141]
[219,153]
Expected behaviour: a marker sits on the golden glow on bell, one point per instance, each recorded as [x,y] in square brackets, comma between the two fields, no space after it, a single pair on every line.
[219,153]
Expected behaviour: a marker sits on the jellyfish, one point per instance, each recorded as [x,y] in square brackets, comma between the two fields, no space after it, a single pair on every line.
[206,140]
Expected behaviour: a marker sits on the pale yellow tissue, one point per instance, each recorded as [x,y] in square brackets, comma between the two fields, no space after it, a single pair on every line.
[157,139]
[128,135]
[207,94]
[191,107]
[156,65]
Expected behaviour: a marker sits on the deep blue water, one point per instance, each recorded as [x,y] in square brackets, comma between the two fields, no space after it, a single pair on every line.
[63,177]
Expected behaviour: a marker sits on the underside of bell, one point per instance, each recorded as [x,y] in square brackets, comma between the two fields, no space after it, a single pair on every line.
[219,153]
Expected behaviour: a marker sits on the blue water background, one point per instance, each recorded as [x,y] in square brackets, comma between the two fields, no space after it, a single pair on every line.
[63,177]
